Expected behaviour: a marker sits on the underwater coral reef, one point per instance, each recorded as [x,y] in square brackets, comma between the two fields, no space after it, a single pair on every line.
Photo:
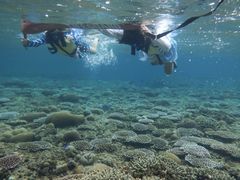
[86,130]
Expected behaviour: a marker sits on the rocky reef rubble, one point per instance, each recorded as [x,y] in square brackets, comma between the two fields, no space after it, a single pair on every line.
[166,168]
[106,130]
[10,161]
[230,150]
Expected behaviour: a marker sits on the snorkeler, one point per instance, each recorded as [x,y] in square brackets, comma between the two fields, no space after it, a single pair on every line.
[67,42]
[160,51]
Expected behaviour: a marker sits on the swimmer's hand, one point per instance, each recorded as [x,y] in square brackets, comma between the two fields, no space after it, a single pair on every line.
[93,47]
[25,42]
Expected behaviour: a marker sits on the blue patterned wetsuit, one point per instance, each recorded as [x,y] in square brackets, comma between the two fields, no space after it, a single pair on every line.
[82,46]
[172,54]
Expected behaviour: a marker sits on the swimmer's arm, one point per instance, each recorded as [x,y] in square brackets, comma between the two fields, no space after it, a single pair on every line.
[33,43]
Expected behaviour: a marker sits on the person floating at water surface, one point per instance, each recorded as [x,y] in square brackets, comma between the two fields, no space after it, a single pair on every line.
[160,48]
[68,42]
[162,51]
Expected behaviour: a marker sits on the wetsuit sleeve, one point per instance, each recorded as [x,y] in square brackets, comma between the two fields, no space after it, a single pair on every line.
[171,54]
[37,42]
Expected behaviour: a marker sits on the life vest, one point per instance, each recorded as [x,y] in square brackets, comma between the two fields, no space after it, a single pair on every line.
[57,41]
[136,39]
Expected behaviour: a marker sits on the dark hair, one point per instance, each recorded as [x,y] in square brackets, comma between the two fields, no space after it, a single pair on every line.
[54,37]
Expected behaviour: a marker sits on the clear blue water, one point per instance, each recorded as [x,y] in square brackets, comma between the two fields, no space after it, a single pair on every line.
[207,49]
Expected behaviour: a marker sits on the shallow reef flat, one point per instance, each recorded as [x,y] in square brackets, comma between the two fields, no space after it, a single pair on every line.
[93,129]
